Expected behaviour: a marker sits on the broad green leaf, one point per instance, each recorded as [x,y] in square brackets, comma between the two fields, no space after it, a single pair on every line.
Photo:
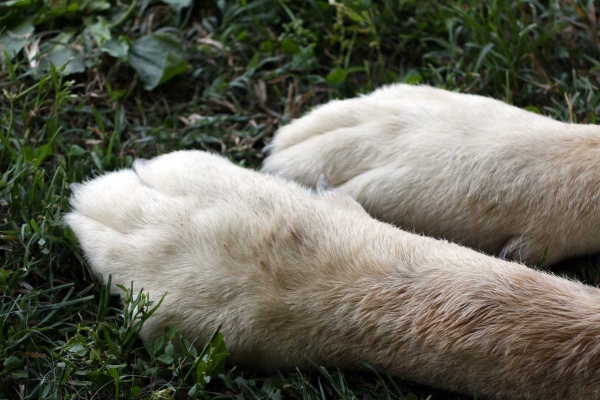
[188,348]
[305,59]
[12,40]
[18,375]
[267,46]
[100,31]
[337,75]
[171,333]
[412,77]
[76,150]
[289,47]
[170,349]
[113,372]
[533,109]
[12,362]
[158,345]
[118,48]
[167,359]
[157,58]
[192,393]
[136,391]
[61,53]
[78,350]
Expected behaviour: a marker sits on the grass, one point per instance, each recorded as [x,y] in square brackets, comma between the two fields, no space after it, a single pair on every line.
[235,72]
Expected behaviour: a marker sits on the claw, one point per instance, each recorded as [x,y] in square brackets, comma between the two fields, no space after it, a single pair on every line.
[323,183]
[266,151]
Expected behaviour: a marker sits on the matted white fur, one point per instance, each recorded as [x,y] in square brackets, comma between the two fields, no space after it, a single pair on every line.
[298,279]
[467,168]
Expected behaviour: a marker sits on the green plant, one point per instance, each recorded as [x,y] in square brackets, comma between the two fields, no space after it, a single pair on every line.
[220,76]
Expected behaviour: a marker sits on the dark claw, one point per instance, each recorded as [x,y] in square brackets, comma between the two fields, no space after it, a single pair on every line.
[266,151]
[323,183]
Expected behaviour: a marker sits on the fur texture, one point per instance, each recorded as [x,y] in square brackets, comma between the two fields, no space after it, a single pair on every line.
[298,278]
[466,168]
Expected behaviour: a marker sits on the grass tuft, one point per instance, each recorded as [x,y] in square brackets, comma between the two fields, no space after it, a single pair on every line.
[87,87]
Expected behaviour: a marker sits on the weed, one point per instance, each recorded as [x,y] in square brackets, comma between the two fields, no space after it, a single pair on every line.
[87,86]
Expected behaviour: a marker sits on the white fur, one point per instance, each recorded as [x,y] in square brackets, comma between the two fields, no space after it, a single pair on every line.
[467,168]
[298,278]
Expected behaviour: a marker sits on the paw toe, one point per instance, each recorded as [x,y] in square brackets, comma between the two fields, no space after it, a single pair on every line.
[108,198]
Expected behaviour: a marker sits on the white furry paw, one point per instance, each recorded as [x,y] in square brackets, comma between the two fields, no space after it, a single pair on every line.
[212,236]
[151,225]
[466,168]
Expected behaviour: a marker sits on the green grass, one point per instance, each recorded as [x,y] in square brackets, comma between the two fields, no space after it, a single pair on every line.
[238,70]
